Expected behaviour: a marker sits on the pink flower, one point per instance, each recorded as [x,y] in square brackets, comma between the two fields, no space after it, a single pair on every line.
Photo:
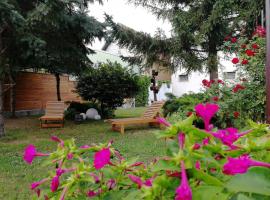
[163,121]
[181,140]
[183,192]
[102,158]
[136,164]
[229,136]
[198,165]
[111,184]
[137,180]
[30,153]
[61,171]
[96,178]
[196,146]
[92,193]
[206,112]
[241,165]
[55,183]
[69,156]
[205,141]
[56,139]
[235,60]
[34,185]
[149,182]
[260,31]
[85,147]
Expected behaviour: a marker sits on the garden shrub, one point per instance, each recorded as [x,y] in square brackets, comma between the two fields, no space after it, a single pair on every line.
[108,84]
[201,164]
[141,99]
[181,105]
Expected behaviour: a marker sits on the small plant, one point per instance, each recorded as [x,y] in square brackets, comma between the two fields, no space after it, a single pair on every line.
[201,164]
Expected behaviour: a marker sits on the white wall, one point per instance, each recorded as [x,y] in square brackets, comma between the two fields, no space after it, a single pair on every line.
[194,84]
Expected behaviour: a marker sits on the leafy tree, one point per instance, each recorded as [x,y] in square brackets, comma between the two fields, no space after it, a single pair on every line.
[108,84]
[66,29]
[198,29]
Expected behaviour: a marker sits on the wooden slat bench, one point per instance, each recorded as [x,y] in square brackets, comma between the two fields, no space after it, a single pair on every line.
[148,117]
[54,115]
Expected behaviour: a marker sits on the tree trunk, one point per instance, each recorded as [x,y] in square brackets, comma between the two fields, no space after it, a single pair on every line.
[213,60]
[57,76]
[2,130]
[12,95]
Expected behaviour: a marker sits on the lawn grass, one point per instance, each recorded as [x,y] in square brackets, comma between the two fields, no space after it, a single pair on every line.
[16,176]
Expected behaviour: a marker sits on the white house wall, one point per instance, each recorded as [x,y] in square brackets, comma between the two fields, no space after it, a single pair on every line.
[194,83]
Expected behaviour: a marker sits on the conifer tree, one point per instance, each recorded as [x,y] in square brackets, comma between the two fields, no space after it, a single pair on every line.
[198,31]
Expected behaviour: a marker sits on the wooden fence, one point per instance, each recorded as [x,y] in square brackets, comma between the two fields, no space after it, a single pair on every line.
[33,90]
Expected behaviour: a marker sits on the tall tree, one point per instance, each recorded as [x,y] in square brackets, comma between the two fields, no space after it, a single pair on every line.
[198,31]
[66,28]
[11,24]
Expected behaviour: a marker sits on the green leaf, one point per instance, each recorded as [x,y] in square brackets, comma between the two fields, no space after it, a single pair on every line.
[209,193]
[244,197]
[165,165]
[256,180]
[211,180]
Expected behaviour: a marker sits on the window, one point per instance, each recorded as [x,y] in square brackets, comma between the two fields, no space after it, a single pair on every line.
[183,78]
[229,75]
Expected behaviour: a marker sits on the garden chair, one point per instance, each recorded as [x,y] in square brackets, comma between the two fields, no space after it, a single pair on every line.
[54,115]
[148,117]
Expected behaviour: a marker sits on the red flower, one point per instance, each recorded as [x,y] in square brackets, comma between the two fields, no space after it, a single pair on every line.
[238,87]
[189,113]
[255,46]
[244,62]
[249,52]
[236,114]
[227,38]
[233,40]
[212,81]
[220,81]
[215,98]
[206,83]
[235,60]
[243,46]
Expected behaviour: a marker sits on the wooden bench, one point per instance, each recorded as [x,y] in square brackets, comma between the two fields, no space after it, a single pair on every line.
[54,115]
[148,117]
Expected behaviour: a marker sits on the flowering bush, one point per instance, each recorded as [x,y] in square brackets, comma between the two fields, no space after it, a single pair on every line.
[202,164]
[250,54]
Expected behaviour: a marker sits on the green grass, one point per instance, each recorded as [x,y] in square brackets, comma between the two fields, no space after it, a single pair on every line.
[16,176]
